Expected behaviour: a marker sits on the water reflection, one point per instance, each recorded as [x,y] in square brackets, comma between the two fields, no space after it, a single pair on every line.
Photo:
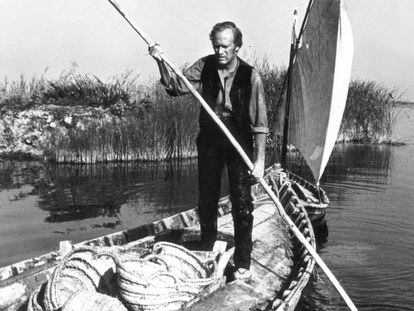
[349,160]
[76,192]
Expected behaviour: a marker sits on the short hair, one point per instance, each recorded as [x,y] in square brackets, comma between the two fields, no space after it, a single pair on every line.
[237,34]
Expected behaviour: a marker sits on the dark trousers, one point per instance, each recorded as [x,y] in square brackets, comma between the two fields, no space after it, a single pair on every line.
[215,152]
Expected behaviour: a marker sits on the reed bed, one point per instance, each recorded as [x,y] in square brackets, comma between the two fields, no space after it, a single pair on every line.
[370,113]
[273,82]
[128,121]
[157,128]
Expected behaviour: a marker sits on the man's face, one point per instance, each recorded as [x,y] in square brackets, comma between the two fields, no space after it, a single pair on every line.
[224,48]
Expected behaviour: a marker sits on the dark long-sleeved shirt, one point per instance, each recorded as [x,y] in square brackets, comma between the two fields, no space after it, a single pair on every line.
[223,107]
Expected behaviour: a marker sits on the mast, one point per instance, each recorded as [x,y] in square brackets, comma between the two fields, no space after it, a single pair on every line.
[288,92]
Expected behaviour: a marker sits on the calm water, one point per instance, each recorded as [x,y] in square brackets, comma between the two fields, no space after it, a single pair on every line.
[368,244]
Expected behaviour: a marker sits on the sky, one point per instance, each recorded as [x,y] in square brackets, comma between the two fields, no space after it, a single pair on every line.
[48,36]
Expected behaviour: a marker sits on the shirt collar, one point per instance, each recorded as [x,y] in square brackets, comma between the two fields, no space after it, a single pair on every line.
[231,73]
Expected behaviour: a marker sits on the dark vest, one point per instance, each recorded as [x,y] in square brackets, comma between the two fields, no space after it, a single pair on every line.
[240,94]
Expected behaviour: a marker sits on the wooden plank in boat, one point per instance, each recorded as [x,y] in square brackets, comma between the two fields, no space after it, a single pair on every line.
[264,280]
[234,296]
[271,254]
[262,212]
[274,258]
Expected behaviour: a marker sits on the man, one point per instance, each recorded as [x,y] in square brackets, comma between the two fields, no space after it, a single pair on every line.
[234,90]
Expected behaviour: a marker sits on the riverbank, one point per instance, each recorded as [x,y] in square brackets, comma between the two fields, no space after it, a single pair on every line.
[80,119]
[78,134]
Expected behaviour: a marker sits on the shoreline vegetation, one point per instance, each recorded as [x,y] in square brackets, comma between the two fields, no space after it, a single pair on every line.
[78,118]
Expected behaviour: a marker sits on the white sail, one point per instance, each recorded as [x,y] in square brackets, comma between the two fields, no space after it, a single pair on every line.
[320,79]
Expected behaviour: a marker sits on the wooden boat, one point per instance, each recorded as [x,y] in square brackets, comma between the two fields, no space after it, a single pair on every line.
[281,266]
[313,198]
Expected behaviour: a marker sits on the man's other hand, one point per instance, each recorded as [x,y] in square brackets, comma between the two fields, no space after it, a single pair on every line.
[258,169]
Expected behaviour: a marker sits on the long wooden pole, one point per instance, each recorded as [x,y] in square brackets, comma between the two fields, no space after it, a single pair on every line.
[249,164]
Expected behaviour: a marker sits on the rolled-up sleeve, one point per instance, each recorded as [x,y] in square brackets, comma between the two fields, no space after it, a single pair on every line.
[193,75]
[257,107]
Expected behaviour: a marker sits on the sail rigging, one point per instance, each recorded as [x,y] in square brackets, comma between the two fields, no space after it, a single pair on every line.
[320,77]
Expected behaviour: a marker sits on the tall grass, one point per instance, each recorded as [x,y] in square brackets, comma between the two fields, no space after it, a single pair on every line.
[18,95]
[370,113]
[128,121]
[273,82]
[152,126]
